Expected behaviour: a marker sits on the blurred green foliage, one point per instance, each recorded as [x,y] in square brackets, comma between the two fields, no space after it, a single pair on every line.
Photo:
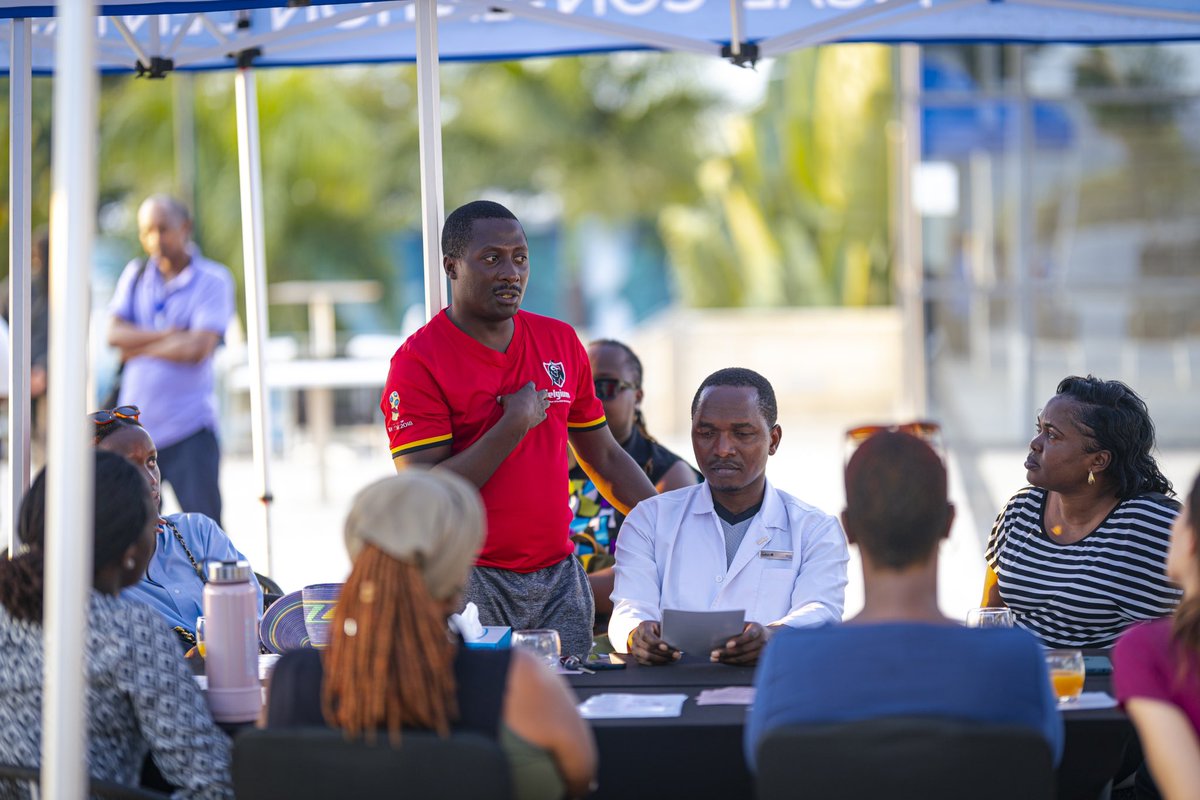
[785,206]
[798,212]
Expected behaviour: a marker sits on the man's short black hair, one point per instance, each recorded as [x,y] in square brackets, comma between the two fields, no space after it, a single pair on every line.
[896,503]
[456,233]
[740,376]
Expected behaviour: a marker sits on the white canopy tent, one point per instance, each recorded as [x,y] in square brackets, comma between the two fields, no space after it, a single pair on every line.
[154,36]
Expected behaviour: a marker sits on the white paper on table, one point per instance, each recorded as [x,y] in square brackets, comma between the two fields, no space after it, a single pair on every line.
[1090,701]
[632,706]
[700,632]
[726,696]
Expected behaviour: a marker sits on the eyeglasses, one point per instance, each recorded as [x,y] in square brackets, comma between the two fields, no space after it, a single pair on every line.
[609,388]
[110,415]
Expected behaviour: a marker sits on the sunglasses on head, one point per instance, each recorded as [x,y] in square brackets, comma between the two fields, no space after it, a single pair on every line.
[608,388]
[922,429]
[110,415]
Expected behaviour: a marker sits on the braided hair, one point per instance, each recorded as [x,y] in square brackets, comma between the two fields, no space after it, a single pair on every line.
[390,662]
[122,509]
[1117,420]
[392,667]
[112,426]
[635,363]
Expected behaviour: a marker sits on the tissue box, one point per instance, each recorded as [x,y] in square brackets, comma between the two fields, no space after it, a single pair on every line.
[494,638]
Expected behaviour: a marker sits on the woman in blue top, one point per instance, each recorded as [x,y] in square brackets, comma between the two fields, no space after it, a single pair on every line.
[183,543]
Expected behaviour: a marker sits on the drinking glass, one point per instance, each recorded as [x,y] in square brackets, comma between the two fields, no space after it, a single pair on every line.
[543,644]
[1066,674]
[989,618]
[200,637]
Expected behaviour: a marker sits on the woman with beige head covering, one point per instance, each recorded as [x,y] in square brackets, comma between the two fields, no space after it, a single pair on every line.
[392,663]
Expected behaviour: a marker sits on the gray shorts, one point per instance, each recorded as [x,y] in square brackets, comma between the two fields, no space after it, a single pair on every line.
[557,597]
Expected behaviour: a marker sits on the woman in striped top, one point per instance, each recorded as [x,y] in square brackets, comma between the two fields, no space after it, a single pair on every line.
[1079,554]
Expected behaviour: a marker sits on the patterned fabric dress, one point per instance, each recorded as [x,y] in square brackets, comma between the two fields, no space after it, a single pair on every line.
[141,698]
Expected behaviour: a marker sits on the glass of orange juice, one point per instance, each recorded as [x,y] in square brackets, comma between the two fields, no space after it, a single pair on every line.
[200,637]
[1066,674]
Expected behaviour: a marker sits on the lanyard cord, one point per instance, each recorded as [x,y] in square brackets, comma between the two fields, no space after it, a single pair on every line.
[179,538]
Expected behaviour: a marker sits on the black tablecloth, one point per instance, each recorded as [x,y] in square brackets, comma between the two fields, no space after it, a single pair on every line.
[699,754]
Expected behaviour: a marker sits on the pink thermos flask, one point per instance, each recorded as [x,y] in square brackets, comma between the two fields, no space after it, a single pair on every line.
[231,642]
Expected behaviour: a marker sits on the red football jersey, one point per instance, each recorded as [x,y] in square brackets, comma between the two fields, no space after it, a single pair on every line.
[442,389]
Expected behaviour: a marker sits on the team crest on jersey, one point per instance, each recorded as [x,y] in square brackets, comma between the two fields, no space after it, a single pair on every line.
[394,402]
[556,372]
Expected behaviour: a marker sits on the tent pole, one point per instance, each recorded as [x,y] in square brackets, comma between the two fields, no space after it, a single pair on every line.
[909,271]
[68,570]
[20,77]
[255,269]
[1022,359]
[429,119]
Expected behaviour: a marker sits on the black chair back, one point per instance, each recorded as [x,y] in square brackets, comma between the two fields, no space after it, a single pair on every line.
[319,763]
[271,590]
[902,758]
[13,776]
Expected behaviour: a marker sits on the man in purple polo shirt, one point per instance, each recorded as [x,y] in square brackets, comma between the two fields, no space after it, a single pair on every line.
[169,313]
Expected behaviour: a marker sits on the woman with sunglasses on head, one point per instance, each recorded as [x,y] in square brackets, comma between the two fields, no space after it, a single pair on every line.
[1078,555]
[1156,671]
[617,373]
[141,697]
[173,584]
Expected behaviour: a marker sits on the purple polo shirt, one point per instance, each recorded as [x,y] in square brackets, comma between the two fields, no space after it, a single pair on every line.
[176,398]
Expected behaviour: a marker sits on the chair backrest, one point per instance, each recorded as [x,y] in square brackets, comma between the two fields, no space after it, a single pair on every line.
[905,757]
[271,590]
[320,763]
[12,776]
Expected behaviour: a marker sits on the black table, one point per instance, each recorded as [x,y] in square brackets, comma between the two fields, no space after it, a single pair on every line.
[699,754]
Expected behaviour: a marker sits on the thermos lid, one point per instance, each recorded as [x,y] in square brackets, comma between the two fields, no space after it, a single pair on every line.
[229,572]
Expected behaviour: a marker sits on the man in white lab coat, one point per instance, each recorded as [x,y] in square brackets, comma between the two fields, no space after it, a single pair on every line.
[732,542]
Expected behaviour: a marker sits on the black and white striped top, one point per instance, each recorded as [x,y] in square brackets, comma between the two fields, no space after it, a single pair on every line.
[1084,594]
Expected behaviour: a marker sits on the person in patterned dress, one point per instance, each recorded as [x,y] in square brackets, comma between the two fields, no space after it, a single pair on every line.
[141,697]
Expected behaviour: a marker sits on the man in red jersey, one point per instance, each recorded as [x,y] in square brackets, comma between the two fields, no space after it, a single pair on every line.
[495,394]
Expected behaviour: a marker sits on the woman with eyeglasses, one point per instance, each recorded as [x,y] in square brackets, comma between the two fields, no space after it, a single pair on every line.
[1079,554]
[617,373]
[173,584]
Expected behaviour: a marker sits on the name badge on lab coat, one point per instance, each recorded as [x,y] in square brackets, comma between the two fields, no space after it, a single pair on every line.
[776,555]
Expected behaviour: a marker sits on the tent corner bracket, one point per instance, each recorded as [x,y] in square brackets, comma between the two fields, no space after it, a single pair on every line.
[158,68]
[745,55]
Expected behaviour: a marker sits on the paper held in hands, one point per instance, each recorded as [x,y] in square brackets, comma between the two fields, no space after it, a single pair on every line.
[701,632]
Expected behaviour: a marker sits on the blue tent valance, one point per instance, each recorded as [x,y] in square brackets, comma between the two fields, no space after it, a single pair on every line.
[196,35]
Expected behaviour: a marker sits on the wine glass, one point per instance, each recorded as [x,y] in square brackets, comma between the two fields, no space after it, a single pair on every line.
[543,644]
[989,618]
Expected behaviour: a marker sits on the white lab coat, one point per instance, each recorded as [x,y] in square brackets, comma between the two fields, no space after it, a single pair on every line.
[671,554]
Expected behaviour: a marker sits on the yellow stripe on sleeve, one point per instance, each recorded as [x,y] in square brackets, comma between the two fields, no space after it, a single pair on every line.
[586,426]
[421,444]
